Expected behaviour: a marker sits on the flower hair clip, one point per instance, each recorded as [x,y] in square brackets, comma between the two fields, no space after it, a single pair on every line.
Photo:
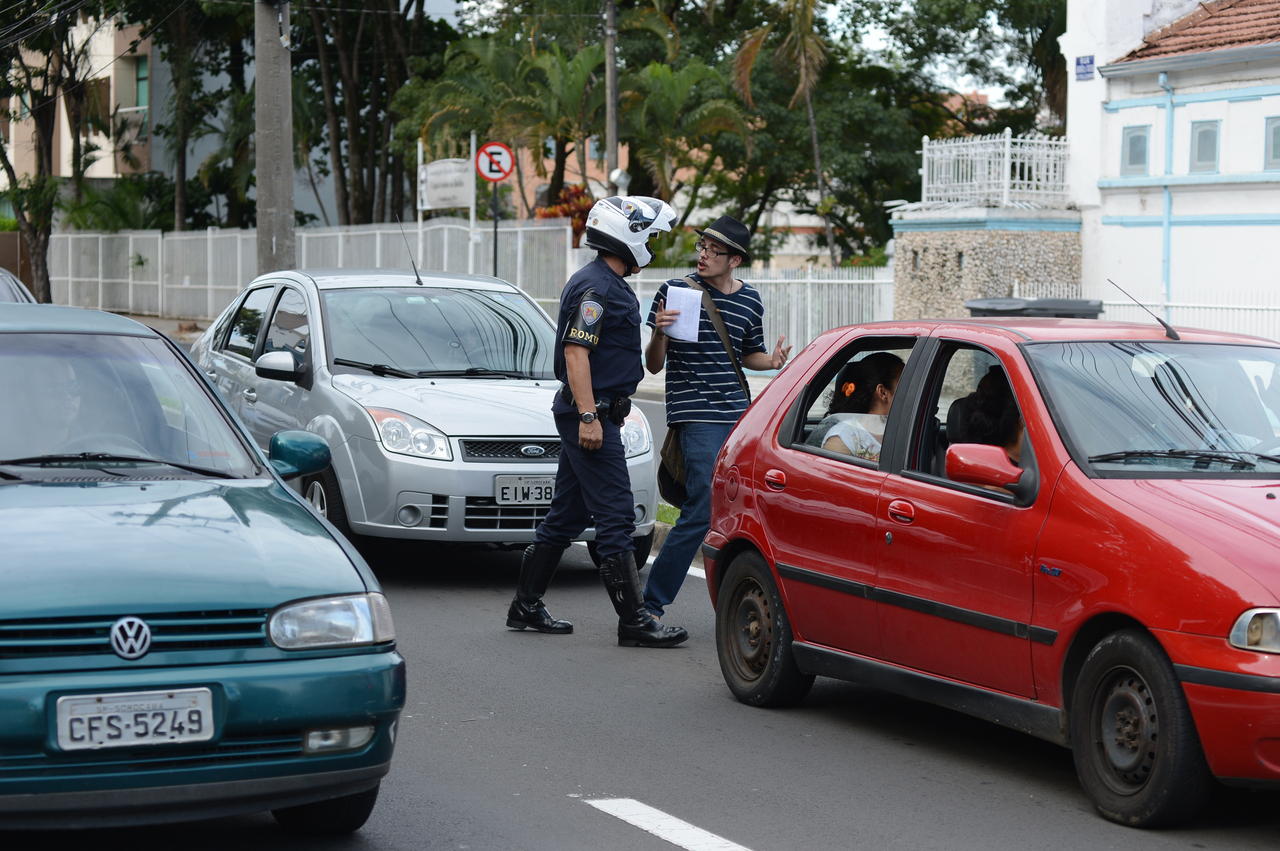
[848,387]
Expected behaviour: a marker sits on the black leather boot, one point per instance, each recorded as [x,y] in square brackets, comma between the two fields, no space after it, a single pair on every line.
[526,611]
[637,627]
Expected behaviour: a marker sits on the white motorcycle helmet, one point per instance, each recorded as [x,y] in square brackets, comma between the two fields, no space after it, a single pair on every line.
[622,226]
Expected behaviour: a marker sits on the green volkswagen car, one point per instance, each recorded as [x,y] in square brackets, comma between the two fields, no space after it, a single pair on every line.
[181,635]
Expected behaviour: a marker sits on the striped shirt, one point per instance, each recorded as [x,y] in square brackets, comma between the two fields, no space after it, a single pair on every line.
[702,385]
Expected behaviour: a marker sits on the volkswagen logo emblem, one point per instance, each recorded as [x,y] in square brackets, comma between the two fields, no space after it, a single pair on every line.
[532,450]
[130,638]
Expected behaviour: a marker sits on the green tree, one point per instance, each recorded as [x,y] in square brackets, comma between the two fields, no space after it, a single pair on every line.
[1010,43]
[673,117]
[801,53]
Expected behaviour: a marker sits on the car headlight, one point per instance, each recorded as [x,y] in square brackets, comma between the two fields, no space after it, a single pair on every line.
[1257,629]
[347,621]
[408,435]
[636,439]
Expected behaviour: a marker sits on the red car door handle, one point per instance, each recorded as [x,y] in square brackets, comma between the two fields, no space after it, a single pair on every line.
[902,511]
[775,479]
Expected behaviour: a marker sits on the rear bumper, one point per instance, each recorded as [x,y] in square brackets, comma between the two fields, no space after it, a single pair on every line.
[188,802]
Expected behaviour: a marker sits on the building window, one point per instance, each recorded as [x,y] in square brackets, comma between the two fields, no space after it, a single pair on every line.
[1272,160]
[142,81]
[1204,145]
[97,106]
[1134,155]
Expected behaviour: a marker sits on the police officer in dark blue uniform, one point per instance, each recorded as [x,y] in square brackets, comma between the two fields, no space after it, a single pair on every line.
[597,360]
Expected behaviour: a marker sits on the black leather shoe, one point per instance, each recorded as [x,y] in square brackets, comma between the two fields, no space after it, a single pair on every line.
[650,632]
[535,616]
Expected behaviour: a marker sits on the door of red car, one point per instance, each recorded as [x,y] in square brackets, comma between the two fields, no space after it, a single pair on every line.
[818,507]
[956,560]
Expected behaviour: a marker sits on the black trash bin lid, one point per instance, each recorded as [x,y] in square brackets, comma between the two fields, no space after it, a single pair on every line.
[1081,308]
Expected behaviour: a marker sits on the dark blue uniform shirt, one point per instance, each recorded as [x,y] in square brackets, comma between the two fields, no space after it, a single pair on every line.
[599,310]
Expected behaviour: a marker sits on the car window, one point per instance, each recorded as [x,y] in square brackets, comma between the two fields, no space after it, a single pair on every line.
[425,329]
[248,322]
[289,329]
[119,395]
[845,409]
[1132,409]
[969,400]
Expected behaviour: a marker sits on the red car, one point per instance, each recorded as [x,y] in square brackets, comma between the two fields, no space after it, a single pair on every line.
[1069,527]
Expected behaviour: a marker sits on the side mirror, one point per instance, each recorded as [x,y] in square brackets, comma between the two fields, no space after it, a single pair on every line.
[982,464]
[296,453]
[276,365]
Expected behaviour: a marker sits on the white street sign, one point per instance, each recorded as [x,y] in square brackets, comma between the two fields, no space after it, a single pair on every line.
[445,183]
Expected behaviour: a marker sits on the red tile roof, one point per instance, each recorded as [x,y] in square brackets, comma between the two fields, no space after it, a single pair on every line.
[1216,25]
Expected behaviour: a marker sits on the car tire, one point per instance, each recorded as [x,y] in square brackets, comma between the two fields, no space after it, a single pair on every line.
[1136,749]
[321,490]
[753,637]
[334,817]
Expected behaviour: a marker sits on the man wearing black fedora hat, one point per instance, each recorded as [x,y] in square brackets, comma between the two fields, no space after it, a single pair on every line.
[705,389]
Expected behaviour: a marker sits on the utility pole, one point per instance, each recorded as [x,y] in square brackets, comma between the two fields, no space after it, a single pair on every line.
[273,125]
[611,92]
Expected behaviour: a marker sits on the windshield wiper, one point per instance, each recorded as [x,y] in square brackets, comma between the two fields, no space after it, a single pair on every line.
[1223,456]
[71,458]
[480,371]
[378,368]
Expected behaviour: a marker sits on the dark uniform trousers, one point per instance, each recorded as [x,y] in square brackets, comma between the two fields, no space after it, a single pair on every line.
[591,486]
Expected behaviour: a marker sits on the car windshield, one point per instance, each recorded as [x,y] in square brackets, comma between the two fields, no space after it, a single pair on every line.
[115,404]
[1139,408]
[440,331]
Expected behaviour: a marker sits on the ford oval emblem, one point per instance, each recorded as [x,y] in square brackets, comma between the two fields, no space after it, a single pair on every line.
[532,450]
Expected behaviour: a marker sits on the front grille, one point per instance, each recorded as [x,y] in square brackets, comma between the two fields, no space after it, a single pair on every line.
[240,749]
[437,514]
[509,450]
[484,513]
[43,637]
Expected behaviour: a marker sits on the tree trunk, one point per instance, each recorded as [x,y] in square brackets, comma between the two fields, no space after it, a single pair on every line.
[336,165]
[556,186]
[822,186]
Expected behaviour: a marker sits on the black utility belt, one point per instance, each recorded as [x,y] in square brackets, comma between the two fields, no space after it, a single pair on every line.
[615,410]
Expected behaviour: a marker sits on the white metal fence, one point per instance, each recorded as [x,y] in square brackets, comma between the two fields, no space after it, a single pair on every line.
[193,274]
[996,170]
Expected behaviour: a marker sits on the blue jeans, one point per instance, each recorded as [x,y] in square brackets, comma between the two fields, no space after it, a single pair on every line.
[701,443]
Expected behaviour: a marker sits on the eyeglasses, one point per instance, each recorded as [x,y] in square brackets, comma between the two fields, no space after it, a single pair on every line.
[704,247]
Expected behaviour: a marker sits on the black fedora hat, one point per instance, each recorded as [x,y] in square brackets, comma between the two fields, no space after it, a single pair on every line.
[730,232]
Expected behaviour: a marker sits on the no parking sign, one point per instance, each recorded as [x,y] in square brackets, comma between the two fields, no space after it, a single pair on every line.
[495,161]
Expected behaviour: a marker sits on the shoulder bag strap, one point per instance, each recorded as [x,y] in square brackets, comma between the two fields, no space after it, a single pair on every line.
[717,320]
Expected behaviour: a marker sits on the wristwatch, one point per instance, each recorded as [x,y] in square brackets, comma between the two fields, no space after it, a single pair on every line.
[587,417]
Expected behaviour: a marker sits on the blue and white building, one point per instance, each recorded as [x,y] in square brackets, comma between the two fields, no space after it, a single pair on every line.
[1174,157]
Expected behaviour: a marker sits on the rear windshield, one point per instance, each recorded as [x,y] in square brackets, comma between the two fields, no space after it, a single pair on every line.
[425,329]
[1129,409]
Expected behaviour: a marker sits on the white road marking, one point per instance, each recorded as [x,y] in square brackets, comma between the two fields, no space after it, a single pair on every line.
[663,826]
[698,572]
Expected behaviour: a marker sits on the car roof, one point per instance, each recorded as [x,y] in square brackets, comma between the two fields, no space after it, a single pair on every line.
[1048,329]
[56,319]
[339,279]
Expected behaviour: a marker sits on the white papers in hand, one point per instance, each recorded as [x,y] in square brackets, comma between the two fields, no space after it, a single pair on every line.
[689,302]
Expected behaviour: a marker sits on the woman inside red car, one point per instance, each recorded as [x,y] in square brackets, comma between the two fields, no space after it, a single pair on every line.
[990,415]
[854,424]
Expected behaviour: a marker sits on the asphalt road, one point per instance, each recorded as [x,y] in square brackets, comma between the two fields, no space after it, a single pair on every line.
[508,737]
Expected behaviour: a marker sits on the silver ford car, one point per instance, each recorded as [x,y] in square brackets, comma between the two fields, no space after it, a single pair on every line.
[434,395]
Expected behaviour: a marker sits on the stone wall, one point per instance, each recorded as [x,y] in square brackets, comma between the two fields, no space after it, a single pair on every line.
[937,268]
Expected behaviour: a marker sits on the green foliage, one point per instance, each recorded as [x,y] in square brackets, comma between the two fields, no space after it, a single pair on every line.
[8,224]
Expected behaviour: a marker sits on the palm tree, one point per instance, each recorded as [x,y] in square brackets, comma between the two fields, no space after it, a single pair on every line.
[803,53]
[667,116]
[562,98]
